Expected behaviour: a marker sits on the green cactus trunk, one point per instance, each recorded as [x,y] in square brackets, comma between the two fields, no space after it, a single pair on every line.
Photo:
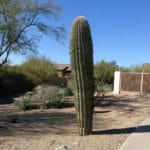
[81,50]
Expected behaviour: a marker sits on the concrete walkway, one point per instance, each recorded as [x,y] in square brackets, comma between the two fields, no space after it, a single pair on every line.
[140,139]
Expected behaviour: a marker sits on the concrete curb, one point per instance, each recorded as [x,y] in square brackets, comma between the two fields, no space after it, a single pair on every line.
[140,139]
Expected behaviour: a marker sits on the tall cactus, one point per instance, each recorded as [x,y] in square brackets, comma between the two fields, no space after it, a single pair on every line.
[81,50]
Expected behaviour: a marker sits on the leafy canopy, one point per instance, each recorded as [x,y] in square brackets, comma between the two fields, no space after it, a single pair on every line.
[104,71]
[39,70]
[20,19]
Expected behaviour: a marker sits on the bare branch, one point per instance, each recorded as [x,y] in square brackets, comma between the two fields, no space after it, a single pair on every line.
[5,59]
[19,17]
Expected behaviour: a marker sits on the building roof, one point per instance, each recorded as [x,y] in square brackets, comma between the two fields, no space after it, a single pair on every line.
[66,67]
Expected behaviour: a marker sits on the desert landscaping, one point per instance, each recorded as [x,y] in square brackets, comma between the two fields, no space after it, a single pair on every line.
[115,118]
[78,82]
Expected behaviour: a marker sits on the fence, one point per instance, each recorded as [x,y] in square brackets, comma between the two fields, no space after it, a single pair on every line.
[134,82]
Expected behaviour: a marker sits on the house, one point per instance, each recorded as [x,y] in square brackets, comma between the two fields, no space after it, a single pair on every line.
[63,70]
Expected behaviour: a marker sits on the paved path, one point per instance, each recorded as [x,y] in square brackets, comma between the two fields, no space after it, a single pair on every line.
[140,139]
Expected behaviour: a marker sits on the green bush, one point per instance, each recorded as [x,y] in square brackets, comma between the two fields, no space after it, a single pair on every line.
[53,96]
[24,103]
[107,87]
[65,91]
[44,97]
[13,81]
[56,100]
[24,77]
[39,70]
[104,72]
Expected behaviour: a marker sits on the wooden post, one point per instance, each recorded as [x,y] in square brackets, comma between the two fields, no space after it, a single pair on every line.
[141,88]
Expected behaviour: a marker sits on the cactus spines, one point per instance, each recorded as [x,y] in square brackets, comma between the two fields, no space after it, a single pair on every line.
[81,50]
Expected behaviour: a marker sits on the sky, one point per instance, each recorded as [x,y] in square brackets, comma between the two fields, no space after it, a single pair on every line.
[120,31]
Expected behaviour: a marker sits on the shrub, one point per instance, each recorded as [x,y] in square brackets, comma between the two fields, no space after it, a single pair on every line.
[39,70]
[52,96]
[56,100]
[43,96]
[24,103]
[104,72]
[66,91]
[22,78]
[12,81]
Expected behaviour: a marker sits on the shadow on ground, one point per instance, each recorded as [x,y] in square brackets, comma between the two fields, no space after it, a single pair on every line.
[6,100]
[116,131]
[141,129]
[62,122]
[39,123]
[123,103]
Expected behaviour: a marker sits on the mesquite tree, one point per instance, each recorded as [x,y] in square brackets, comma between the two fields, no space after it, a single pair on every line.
[81,50]
[21,25]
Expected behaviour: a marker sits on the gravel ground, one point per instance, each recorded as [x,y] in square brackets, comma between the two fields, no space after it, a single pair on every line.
[115,118]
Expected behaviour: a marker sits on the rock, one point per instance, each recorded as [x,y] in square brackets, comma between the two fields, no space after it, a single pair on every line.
[76,143]
[62,148]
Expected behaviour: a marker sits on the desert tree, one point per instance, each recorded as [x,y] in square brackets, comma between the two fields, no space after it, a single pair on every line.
[21,21]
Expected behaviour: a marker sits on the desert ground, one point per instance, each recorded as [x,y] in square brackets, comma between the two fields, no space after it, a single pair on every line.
[115,118]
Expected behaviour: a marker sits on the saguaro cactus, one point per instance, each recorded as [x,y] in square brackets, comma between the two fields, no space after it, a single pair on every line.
[81,50]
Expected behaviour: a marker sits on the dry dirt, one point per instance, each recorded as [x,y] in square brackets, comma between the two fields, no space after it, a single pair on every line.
[114,120]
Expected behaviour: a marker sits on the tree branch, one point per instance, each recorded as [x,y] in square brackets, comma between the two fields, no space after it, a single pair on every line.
[18,17]
[5,59]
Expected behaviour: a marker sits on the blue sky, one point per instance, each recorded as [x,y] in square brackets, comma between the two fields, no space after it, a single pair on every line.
[120,31]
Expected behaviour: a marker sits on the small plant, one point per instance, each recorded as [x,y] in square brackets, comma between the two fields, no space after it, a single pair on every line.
[24,103]
[56,100]
[65,91]
[44,97]
[60,100]
[29,94]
